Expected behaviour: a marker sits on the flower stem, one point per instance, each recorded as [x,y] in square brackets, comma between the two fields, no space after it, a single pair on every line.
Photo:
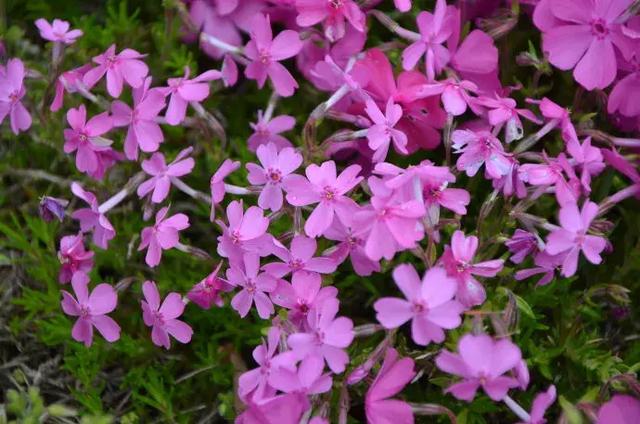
[129,188]
[517,409]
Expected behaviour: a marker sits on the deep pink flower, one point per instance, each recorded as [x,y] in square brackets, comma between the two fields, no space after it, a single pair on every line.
[163,318]
[476,59]
[163,235]
[552,110]
[85,139]
[247,232]
[512,182]
[332,14]
[91,310]
[273,174]
[125,66]
[540,405]
[91,219]
[545,264]
[587,159]
[255,286]
[455,95]
[504,111]
[268,131]
[184,90]
[308,379]
[627,88]
[393,376]
[522,244]
[382,132]
[327,336]
[322,186]
[458,261]
[266,53]
[281,409]
[478,148]
[73,257]
[621,409]
[351,244]
[143,131]
[162,174]
[57,31]
[217,183]
[299,259]
[428,304]
[207,292]
[481,362]
[573,237]
[11,93]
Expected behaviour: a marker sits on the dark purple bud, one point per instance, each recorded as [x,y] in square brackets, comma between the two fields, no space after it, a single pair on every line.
[51,208]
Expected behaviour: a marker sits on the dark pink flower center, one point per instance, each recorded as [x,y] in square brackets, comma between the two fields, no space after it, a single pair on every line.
[83,137]
[250,286]
[264,56]
[329,193]
[599,28]
[158,319]
[302,306]
[111,60]
[14,97]
[353,241]
[462,266]
[296,264]
[419,307]
[336,4]
[319,337]
[235,237]
[84,311]
[274,176]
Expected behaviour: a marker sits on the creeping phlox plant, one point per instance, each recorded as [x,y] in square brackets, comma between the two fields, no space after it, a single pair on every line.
[386,176]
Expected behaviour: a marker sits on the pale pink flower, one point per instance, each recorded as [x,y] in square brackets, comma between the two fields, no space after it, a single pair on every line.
[57,31]
[73,257]
[332,14]
[573,238]
[382,132]
[327,336]
[163,318]
[91,219]
[217,183]
[162,174]
[125,66]
[268,131]
[308,379]
[329,190]
[429,304]
[85,138]
[299,259]
[91,310]
[621,409]
[12,91]
[183,90]
[163,235]
[393,376]
[207,292]
[541,403]
[273,174]
[351,244]
[481,362]
[255,286]
[266,53]
[246,232]
[478,148]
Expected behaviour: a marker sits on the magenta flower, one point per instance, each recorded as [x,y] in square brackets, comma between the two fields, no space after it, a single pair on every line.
[281,409]
[554,111]
[503,111]
[266,53]
[73,257]
[299,259]
[587,159]
[143,131]
[481,362]
[207,292]
[255,287]
[217,183]
[545,264]
[478,148]
[322,186]
[393,376]
[402,5]
[457,259]
[332,14]
[455,95]
[69,81]
[351,242]
[626,89]
[541,403]
[382,132]
[163,235]
[85,139]
[267,131]
[247,232]
[273,174]
[552,173]
[91,310]
[522,244]
[51,208]
[573,238]
[327,336]
[125,66]
[163,174]
[304,295]
[11,93]
[621,409]
[582,35]
[435,30]
[163,318]
[308,379]
[511,183]
[57,31]
[184,90]
[428,304]
[91,219]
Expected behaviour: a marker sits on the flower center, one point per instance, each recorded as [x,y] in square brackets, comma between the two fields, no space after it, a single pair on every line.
[83,137]
[84,311]
[419,307]
[264,56]
[14,97]
[158,318]
[296,264]
[274,176]
[111,60]
[599,28]
[235,237]
[328,193]
[319,337]
[462,266]
[302,306]
[250,286]
[336,4]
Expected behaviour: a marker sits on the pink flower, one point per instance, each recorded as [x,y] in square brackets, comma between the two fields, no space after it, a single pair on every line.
[217,183]
[91,310]
[351,244]
[582,35]
[91,219]
[207,292]
[268,131]
[435,29]
[393,376]
[73,257]
[478,148]
[481,362]
[511,183]
[281,409]
[85,138]
[588,159]
[247,232]
[11,92]
[184,90]
[454,95]
[552,173]
[621,409]
[332,14]
[143,130]
[627,88]
[163,318]
[503,110]
[69,81]
[58,31]
[382,132]
[163,235]
[299,259]
[551,110]
[545,264]
[255,286]
[163,174]
[521,244]
[266,53]
[304,295]
[573,237]
[308,379]
[125,66]
[402,5]
[273,174]
[429,304]
[322,186]
[458,261]
[540,405]
[327,336]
